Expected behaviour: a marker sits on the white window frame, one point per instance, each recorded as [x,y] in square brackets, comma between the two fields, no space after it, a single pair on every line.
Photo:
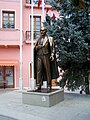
[33,15]
[10,11]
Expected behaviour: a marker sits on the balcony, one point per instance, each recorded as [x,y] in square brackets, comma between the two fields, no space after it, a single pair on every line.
[28,3]
[9,37]
[36,35]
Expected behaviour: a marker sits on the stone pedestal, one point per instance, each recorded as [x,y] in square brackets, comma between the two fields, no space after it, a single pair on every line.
[43,98]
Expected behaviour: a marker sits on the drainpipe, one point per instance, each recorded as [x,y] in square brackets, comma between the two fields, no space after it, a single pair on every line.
[21,79]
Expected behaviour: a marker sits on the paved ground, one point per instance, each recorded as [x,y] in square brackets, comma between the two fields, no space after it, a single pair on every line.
[74,107]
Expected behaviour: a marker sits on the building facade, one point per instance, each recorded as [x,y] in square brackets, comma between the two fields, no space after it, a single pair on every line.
[10,40]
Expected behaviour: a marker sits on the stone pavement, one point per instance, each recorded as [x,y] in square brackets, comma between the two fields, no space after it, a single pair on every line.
[74,107]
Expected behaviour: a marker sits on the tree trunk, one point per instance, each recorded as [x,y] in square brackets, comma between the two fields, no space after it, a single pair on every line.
[87,85]
[89,82]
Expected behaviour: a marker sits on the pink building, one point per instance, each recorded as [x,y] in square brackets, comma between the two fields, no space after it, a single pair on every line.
[10,40]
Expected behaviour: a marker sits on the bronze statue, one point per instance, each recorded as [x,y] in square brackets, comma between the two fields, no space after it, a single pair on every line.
[44,56]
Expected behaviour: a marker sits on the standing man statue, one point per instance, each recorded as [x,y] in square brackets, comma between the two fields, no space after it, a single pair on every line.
[44,55]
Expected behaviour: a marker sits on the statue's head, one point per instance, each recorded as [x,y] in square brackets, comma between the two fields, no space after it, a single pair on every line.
[43,31]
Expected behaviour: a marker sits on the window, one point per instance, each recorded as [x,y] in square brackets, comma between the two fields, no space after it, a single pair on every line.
[37,26]
[8,19]
[7,76]
[47,2]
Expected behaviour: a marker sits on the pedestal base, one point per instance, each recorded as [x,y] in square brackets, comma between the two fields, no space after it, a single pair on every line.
[43,97]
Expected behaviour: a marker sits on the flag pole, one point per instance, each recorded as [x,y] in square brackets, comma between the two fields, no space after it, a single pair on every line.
[21,79]
[43,12]
[43,20]
[32,49]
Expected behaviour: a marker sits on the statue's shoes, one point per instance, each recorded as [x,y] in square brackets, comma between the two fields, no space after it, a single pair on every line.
[49,88]
[38,88]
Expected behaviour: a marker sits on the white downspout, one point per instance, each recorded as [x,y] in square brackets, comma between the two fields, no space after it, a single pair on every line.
[32,81]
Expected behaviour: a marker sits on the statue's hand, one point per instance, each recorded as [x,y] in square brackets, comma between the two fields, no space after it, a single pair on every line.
[52,58]
[38,47]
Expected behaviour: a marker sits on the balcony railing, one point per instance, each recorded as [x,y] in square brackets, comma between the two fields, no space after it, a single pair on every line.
[36,2]
[36,35]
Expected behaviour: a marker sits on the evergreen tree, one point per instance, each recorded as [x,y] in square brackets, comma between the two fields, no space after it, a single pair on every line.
[71,32]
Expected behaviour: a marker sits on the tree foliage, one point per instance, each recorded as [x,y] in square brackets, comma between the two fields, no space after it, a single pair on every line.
[71,32]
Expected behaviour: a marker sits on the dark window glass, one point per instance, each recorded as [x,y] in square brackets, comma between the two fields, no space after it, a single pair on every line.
[8,19]
[37,25]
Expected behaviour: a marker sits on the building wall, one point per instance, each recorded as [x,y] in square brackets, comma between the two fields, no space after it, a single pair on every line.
[11,5]
[9,38]
[26,61]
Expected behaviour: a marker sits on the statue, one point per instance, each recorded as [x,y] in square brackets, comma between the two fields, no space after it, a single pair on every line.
[44,53]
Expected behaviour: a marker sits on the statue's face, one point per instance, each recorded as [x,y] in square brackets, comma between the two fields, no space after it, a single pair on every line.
[43,31]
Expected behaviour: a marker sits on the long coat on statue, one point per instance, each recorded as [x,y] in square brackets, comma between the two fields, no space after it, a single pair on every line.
[53,64]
